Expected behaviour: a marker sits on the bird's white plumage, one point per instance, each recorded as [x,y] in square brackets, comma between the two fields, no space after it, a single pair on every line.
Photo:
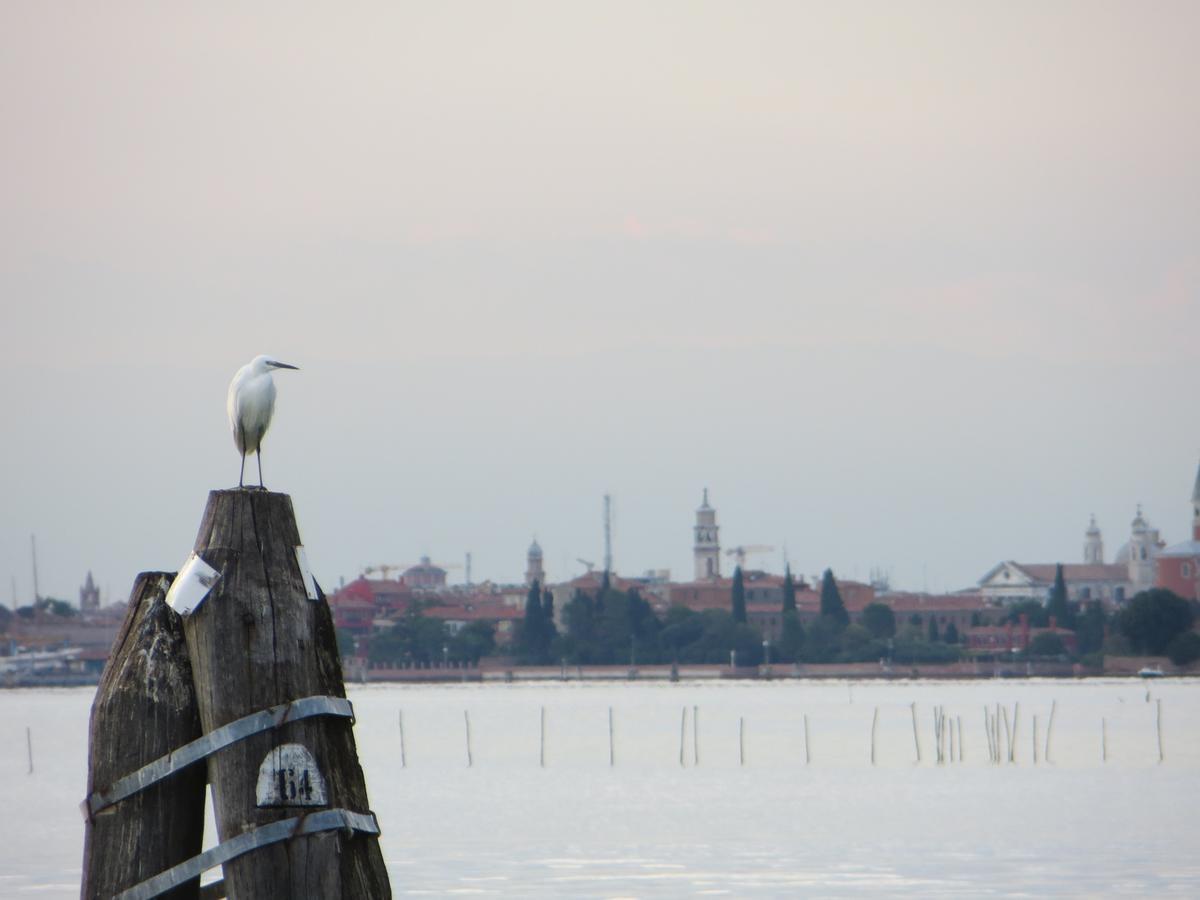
[250,404]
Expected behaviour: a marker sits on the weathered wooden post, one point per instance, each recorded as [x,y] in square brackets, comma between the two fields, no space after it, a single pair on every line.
[290,801]
[145,708]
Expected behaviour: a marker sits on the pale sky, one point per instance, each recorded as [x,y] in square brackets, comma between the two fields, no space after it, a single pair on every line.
[913,286]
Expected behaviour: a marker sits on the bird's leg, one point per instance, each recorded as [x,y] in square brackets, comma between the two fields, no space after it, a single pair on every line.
[259,457]
[242,473]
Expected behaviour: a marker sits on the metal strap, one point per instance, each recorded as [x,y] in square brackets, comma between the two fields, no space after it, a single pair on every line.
[215,740]
[326,820]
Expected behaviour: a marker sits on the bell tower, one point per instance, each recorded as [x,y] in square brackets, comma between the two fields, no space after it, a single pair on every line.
[1093,544]
[707,546]
[533,565]
[1143,547]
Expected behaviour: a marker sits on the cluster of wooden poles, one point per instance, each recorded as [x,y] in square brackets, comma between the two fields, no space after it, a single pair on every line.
[949,745]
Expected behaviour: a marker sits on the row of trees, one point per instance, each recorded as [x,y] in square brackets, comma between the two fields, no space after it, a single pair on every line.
[422,641]
[613,627]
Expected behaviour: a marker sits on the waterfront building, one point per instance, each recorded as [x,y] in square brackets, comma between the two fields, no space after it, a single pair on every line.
[1132,570]
[1179,565]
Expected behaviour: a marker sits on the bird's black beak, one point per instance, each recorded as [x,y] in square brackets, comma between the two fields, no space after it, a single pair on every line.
[281,365]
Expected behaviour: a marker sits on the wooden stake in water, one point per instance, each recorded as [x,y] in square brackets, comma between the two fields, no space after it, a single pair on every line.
[695,735]
[1035,739]
[916,739]
[682,734]
[467,722]
[951,729]
[1012,744]
[1008,735]
[960,739]
[1161,756]
[29,747]
[807,754]
[403,760]
[874,725]
[1103,740]
[610,736]
[542,751]
[741,741]
[987,727]
[1049,726]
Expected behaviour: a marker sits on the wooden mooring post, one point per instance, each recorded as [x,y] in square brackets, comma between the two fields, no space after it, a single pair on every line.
[145,707]
[262,637]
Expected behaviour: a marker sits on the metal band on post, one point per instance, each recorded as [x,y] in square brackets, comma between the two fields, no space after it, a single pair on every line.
[326,820]
[222,737]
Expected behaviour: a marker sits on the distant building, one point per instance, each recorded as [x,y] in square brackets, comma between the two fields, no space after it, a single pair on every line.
[1093,545]
[534,570]
[425,576]
[89,596]
[706,548]
[1112,583]
[1140,552]
[1179,565]
[1011,582]
[988,640]
[457,616]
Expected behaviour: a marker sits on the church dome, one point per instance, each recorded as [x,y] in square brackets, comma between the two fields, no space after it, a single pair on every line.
[535,550]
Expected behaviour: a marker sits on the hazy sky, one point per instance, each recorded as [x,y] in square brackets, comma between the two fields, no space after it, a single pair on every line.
[907,285]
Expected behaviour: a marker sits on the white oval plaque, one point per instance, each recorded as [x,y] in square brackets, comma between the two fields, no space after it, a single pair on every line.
[289,776]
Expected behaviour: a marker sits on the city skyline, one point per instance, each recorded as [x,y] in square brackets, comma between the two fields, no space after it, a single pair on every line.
[1105,547]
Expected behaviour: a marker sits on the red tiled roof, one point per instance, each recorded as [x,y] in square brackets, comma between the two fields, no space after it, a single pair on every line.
[490,613]
[348,600]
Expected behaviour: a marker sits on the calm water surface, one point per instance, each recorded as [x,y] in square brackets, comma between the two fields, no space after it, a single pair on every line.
[752,811]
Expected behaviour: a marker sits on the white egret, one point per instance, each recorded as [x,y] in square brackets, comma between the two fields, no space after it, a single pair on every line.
[250,404]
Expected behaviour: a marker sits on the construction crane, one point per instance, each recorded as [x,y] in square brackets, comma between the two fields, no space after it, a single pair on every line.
[382,569]
[590,565]
[742,551]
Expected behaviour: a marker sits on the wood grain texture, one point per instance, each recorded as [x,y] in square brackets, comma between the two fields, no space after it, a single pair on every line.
[145,707]
[255,642]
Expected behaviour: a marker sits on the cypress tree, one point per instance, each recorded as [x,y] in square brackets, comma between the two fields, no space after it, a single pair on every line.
[789,591]
[533,626]
[933,628]
[739,597]
[791,638]
[1056,605]
[831,601]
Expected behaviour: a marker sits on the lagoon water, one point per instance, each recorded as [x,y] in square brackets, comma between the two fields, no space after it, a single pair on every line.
[781,821]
